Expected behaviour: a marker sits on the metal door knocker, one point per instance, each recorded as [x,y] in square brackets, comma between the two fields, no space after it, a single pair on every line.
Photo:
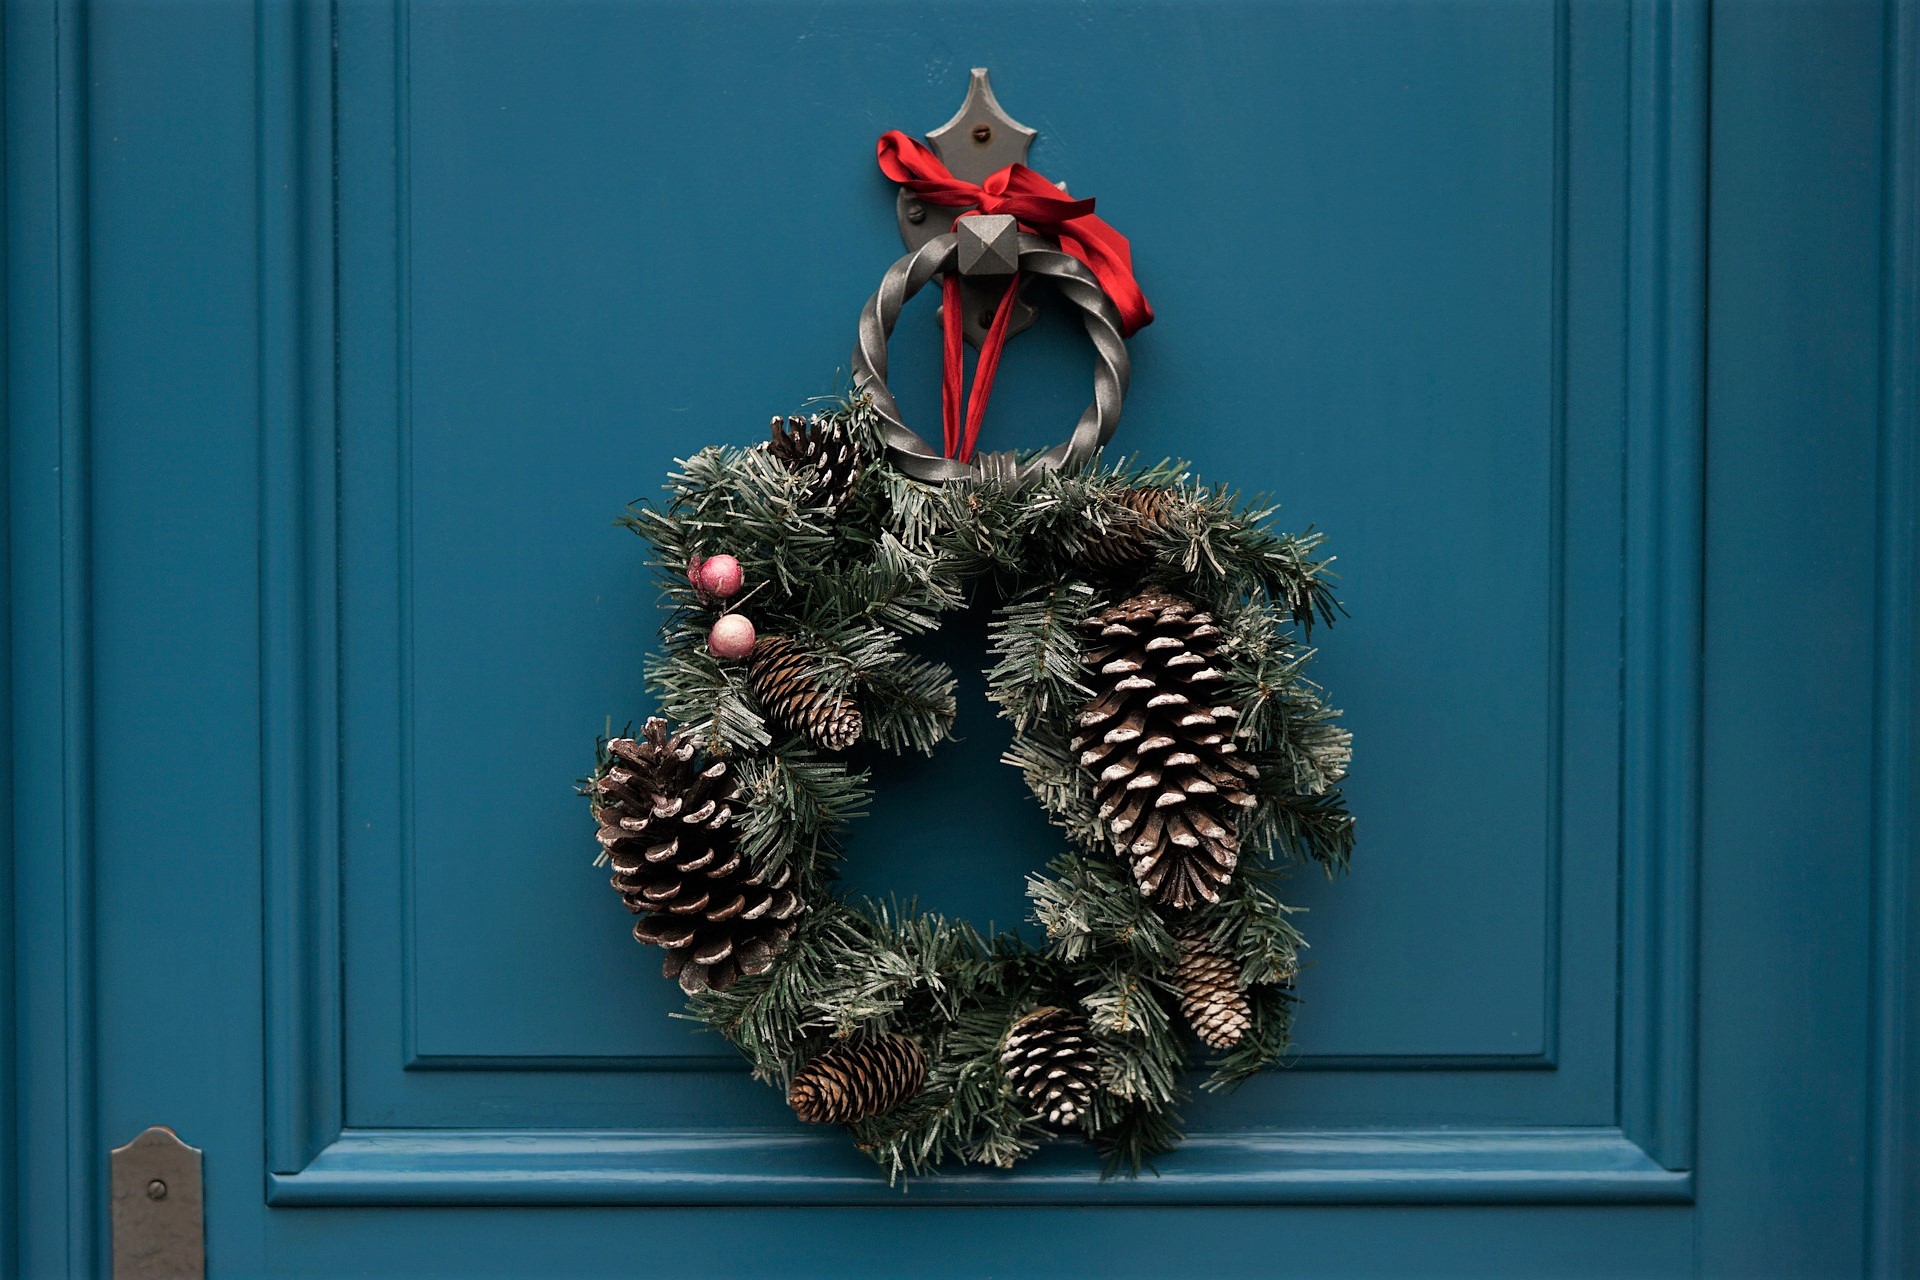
[1008,224]
[956,250]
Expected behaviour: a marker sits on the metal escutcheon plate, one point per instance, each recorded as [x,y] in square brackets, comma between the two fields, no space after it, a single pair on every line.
[981,139]
[159,1227]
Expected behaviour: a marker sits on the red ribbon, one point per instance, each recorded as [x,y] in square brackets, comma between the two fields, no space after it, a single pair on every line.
[1043,209]
[1037,203]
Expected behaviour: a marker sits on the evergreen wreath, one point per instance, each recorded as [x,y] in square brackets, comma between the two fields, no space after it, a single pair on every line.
[1148,646]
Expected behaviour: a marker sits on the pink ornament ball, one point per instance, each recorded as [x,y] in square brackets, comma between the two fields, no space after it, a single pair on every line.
[732,636]
[718,576]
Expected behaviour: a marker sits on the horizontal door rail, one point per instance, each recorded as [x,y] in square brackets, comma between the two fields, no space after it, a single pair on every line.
[759,1167]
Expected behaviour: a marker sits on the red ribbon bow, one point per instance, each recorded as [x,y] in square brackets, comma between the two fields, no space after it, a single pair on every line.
[1040,207]
[1036,202]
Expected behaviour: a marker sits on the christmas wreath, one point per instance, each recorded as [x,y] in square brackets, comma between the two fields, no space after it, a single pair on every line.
[1148,644]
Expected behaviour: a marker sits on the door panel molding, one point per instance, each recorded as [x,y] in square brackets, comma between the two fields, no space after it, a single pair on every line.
[1665,557]
[1893,1133]
[421,1054]
[461,155]
[52,1166]
[1360,1166]
[300,625]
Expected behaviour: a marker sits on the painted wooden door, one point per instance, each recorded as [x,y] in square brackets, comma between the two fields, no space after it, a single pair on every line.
[337,335]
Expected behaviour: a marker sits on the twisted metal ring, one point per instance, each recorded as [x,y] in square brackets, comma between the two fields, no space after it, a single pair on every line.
[1076,283]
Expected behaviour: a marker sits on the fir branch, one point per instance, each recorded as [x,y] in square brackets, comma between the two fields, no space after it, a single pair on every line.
[1138,1133]
[1224,546]
[909,704]
[1040,672]
[714,700]
[768,1016]
[1090,907]
[967,1111]
[1305,827]
[792,802]
[1252,923]
[1063,788]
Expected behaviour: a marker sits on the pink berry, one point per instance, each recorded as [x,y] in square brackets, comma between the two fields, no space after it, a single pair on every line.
[732,636]
[693,571]
[719,576]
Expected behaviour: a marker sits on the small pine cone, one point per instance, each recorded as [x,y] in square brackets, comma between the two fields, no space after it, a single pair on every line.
[827,719]
[858,1080]
[825,445]
[1052,1061]
[1158,739]
[666,824]
[1210,996]
[1135,515]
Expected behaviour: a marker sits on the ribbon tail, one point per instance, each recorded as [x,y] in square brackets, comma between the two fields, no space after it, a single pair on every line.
[983,373]
[952,363]
[1110,258]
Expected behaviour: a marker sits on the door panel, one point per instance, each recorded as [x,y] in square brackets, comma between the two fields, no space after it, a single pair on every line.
[561,306]
[574,298]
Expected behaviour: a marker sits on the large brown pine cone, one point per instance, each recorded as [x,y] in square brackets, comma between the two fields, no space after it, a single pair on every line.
[1053,1063]
[858,1079]
[779,672]
[666,823]
[1158,739]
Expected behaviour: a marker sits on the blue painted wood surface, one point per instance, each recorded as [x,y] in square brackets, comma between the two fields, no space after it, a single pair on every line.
[337,334]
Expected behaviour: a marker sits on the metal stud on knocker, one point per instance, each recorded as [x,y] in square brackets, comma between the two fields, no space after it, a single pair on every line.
[980,139]
[988,246]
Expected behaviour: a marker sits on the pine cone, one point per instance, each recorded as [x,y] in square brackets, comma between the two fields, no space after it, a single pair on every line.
[666,823]
[1210,996]
[828,447]
[858,1080]
[779,672]
[1158,739]
[1136,515]
[1053,1063]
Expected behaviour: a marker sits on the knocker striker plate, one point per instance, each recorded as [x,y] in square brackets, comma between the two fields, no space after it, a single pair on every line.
[1037,257]
[981,139]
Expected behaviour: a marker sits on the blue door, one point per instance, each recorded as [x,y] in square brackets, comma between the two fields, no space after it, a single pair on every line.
[337,335]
